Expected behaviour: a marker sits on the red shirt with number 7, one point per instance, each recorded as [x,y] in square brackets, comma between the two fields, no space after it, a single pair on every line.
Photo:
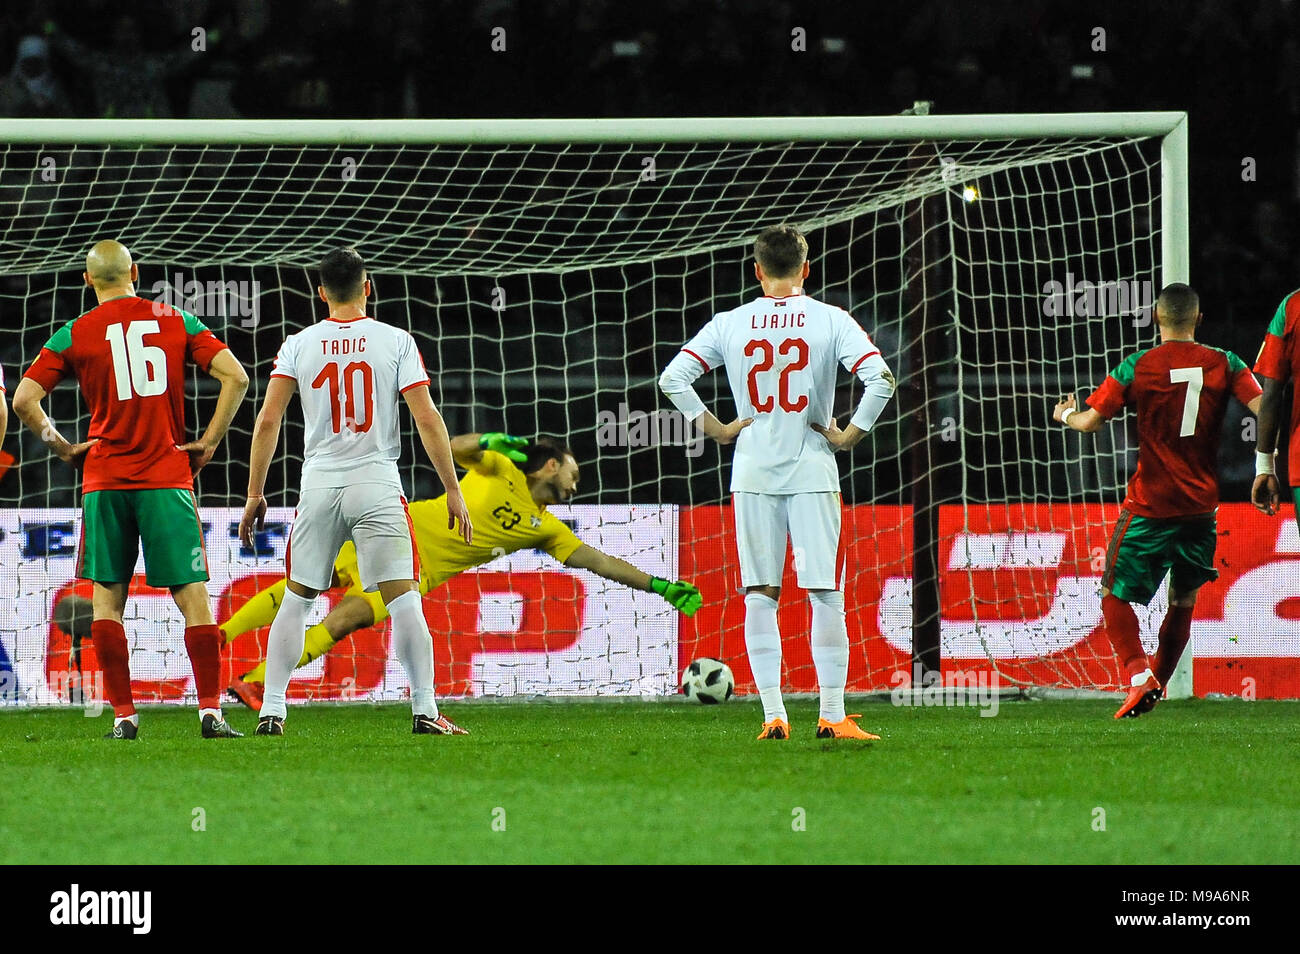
[1180,390]
[129,358]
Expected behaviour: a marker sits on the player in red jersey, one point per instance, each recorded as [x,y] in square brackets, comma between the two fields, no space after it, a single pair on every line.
[1278,362]
[129,357]
[1167,525]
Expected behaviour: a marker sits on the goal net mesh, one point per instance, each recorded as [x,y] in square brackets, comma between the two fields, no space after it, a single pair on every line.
[547,286]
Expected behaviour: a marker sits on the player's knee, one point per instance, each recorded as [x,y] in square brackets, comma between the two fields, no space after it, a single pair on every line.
[390,590]
[832,599]
[1183,598]
[303,592]
[771,592]
[192,600]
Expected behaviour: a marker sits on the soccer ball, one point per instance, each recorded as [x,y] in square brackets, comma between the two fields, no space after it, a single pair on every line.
[708,681]
[73,615]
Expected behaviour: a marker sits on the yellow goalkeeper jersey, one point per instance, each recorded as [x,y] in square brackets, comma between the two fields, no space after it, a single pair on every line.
[505,518]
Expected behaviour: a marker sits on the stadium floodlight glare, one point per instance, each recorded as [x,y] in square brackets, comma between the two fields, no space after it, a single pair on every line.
[549,267]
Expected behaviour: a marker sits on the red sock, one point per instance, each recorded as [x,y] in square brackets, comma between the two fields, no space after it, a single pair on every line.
[1174,634]
[1122,628]
[109,638]
[203,643]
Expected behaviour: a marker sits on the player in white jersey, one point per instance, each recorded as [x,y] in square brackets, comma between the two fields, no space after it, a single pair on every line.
[351,372]
[781,352]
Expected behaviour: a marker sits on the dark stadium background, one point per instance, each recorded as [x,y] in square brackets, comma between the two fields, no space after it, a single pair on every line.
[1235,68]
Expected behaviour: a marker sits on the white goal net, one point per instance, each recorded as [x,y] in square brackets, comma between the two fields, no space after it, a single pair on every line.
[547,284]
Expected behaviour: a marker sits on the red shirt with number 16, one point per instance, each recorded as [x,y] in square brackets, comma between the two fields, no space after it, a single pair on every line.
[129,357]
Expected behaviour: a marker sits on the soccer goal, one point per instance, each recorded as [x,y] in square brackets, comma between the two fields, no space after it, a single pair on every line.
[549,269]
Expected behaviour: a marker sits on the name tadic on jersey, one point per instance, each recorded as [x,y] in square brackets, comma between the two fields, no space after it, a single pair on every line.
[350,377]
[782,356]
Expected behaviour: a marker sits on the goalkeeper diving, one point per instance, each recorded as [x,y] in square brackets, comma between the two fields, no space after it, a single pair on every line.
[509,484]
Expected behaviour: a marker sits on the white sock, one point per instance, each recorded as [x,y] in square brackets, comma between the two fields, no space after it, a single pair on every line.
[763,646]
[1141,677]
[284,647]
[830,651]
[415,650]
[210,712]
[133,718]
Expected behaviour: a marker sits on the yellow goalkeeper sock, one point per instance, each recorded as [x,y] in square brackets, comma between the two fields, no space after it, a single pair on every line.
[316,644]
[258,611]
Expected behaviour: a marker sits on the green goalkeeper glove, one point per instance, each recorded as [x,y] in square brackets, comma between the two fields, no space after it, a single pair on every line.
[684,596]
[504,444]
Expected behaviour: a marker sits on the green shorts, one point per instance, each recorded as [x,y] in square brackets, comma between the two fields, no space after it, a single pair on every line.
[114,523]
[1143,549]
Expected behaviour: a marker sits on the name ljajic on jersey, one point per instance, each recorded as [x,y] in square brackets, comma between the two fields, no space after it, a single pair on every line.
[785,319]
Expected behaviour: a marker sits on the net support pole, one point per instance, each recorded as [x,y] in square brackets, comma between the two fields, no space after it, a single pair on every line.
[1175,266]
[921,393]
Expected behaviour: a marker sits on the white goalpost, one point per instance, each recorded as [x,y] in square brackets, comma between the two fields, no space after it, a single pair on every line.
[549,269]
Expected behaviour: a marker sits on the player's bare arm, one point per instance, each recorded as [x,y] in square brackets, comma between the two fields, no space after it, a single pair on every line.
[232,377]
[437,444]
[27,405]
[710,426]
[681,594]
[840,439]
[266,435]
[4,417]
[1265,493]
[878,386]
[1067,412]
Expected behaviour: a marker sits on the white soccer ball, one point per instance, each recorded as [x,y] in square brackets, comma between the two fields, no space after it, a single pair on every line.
[708,681]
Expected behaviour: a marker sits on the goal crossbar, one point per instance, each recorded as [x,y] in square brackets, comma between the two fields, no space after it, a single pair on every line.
[552,131]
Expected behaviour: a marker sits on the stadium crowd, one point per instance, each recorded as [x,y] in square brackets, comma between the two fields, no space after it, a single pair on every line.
[393,58]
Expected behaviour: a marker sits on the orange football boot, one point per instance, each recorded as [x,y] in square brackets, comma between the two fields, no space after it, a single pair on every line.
[1140,699]
[776,729]
[847,729]
[249,693]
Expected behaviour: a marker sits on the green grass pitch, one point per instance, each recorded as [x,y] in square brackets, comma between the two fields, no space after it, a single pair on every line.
[1196,781]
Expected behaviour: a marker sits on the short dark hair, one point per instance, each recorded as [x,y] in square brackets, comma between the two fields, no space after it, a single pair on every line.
[541,449]
[781,250]
[1179,303]
[343,274]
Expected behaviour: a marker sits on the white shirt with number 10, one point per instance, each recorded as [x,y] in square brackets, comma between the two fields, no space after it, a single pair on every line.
[350,377]
[782,356]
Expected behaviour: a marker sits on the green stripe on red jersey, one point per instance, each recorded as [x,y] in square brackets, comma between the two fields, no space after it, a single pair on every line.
[1109,399]
[193,326]
[1127,368]
[61,340]
[1278,325]
[1276,358]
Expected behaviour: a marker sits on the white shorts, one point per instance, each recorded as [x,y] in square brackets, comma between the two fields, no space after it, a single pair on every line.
[812,524]
[372,516]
